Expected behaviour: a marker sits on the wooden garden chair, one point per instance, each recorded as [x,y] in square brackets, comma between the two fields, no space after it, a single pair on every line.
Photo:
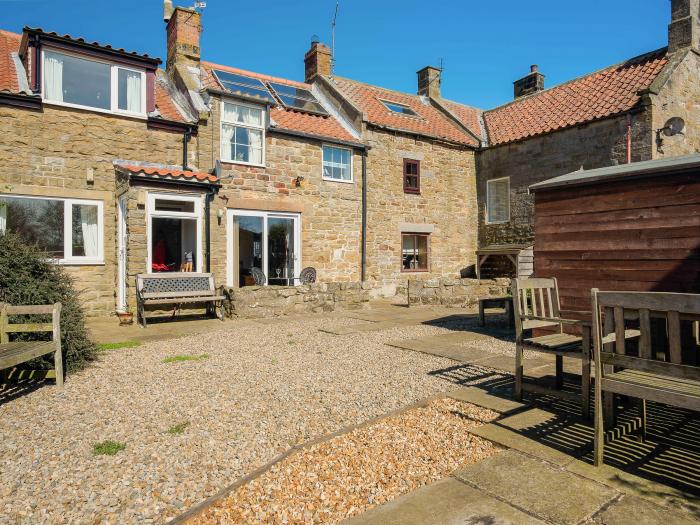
[536,306]
[633,359]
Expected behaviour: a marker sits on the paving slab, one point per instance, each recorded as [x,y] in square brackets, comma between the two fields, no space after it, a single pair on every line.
[539,488]
[482,398]
[654,492]
[446,502]
[454,352]
[630,510]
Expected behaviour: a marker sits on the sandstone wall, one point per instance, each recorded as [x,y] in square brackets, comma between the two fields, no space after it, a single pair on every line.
[460,293]
[447,203]
[51,153]
[593,145]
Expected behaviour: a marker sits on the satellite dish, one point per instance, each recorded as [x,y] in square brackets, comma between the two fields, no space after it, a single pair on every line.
[673,126]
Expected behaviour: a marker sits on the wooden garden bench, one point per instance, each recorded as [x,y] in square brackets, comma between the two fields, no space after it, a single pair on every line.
[13,353]
[634,368]
[176,288]
[536,305]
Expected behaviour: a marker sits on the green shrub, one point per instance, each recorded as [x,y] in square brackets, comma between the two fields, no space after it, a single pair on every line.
[27,277]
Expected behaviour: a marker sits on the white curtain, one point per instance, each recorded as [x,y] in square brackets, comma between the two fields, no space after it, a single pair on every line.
[255,146]
[242,115]
[53,78]
[88,223]
[3,216]
[133,92]
[227,133]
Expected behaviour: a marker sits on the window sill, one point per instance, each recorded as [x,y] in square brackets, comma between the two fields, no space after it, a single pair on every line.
[339,180]
[415,271]
[495,223]
[240,163]
[408,192]
[75,262]
[139,116]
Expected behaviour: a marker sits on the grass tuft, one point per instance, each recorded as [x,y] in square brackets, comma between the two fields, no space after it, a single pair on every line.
[117,346]
[179,358]
[108,448]
[179,428]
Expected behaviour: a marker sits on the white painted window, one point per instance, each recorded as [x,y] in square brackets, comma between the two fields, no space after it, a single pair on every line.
[80,82]
[69,230]
[174,233]
[337,164]
[242,134]
[498,200]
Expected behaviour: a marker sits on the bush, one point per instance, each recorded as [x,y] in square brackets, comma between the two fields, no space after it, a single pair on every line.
[27,277]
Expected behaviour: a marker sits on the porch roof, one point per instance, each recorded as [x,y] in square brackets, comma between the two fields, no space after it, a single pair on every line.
[159,171]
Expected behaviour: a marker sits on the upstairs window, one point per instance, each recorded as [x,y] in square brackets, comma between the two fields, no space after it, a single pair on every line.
[242,134]
[396,107]
[498,200]
[337,164]
[81,82]
[411,176]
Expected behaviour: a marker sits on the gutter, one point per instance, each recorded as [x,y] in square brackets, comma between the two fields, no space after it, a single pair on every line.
[21,101]
[423,135]
[301,134]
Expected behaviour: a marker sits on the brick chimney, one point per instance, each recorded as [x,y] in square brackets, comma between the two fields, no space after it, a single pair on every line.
[684,29]
[183,29]
[529,84]
[317,61]
[429,81]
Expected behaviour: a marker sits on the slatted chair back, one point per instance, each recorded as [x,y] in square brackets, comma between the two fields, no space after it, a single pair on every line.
[7,327]
[534,297]
[616,315]
[174,284]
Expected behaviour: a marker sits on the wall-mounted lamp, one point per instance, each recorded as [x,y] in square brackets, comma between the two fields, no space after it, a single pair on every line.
[299,181]
[219,215]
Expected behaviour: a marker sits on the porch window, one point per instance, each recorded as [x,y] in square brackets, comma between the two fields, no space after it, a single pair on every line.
[414,252]
[242,134]
[337,164]
[69,230]
[411,176]
[81,82]
[498,200]
[174,231]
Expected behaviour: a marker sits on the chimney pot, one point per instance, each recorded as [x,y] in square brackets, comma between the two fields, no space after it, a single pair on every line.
[533,68]
[317,61]
[167,10]
[429,79]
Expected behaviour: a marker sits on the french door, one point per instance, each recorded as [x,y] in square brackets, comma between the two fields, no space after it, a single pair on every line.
[267,241]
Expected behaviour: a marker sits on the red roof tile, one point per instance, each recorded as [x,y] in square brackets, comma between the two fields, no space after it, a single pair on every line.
[598,95]
[9,43]
[164,102]
[468,116]
[166,172]
[431,121]
[319,125]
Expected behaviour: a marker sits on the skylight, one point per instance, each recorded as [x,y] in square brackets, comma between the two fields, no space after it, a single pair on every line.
[248,87]
[402,109]
[297,98]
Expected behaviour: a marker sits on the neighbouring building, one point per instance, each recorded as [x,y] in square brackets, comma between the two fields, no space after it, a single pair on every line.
[119,166]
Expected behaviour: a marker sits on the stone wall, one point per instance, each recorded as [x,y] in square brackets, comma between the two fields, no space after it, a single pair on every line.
[330,211]
[447,204]
[593,145]
[53,153]
[270,301]
[459,293]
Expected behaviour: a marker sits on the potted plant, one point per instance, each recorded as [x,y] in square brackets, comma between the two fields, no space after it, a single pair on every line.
[125,318]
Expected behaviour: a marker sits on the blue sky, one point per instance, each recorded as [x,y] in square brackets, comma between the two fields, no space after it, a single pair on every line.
[484,45]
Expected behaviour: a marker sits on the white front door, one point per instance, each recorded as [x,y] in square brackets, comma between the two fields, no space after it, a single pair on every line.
[121,254]
[268,241]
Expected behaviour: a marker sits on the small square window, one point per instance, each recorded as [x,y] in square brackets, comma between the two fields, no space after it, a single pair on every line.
[411,176]
[337,164]
[414,252]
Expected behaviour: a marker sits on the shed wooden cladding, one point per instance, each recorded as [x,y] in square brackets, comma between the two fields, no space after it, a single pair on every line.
[636,234]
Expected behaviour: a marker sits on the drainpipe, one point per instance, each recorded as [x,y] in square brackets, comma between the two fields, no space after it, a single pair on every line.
[36,42]
[207,225]
[363,274]
[185,139]
[629,138]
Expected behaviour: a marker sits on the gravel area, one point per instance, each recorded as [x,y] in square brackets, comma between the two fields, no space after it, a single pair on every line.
[256,390]
[337,479]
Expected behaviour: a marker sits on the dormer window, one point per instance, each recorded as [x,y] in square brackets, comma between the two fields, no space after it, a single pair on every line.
[81,82]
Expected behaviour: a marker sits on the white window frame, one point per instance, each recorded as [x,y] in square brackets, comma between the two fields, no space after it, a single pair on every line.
[114,85]
[196,215]
[265,215]
[323,164]
[488,200]
[261,128]
[68,228]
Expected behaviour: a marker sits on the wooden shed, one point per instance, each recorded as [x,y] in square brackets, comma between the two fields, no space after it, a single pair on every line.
[633,227]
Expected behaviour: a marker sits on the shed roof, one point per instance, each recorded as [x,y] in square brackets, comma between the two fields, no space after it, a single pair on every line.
[636,169]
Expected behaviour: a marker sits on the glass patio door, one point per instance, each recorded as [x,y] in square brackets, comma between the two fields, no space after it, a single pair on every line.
[267,241]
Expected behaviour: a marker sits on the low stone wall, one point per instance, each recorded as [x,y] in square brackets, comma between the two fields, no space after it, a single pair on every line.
[270,301]
[458,293]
